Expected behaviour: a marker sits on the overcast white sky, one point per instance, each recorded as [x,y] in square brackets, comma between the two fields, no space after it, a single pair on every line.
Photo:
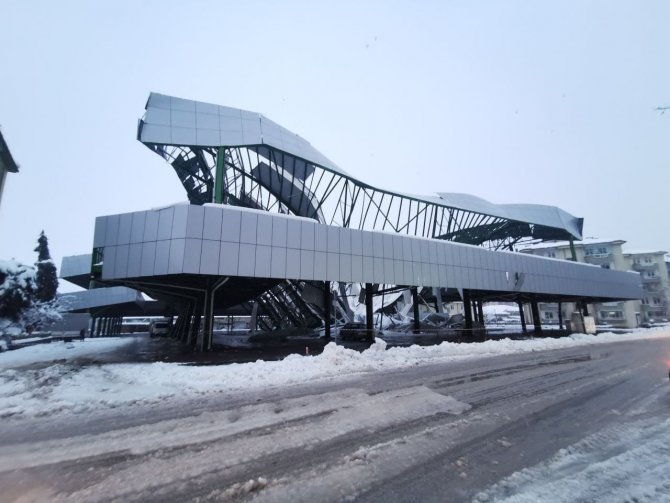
[513,101]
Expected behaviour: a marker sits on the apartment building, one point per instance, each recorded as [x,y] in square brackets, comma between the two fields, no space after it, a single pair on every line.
[609,254]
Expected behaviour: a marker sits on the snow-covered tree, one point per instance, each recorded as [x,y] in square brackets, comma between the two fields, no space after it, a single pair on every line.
[46,277]
[17,289]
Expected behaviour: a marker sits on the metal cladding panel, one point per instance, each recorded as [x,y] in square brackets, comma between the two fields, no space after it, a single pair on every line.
[125,223]
[247,260]
[279,226]
[377,244]
[176,262]
[333,239]
[368,269]
[416,250]
[307,236]
[356,268]
[278,262]
[137,227]
[183,136]
[389,272]
[406,248]
[345,241]
[109,264]
[264,230]
[397,248]
[367,243]
[333,265]
[345,267]
[292,263]
[432,250]
[425,251]
[407,273]
[207,137]
[307,264]
[399,272]
[263,261]
[209,257]
[378,270]
[162,258]
[320,265]
[151,226]
[165,224]
[112,230]
[249,227]
[293,234]
[388,245]
[212,226]
[100,231]
[148,257]
[321,238]
[207,120]
[195,222]
[121,266]
[229,258]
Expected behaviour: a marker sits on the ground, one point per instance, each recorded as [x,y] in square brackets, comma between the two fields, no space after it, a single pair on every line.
[582,418]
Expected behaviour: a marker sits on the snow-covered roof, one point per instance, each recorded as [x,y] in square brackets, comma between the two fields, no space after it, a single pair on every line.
[646,252]
[566,244]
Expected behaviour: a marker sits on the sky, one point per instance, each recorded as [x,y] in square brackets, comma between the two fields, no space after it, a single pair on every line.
[517,102]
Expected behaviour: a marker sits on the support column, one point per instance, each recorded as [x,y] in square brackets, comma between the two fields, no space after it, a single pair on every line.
[195,326]
[585,308]
[368,311]
[188,316]
[537,324]
[560,316]
[467,308]
[522,315]
[438,300]
[415,307]
[253,319]
[327,304]
[480,311]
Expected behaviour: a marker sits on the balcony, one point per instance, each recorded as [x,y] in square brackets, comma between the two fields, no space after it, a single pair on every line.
[645,267]
[650,279]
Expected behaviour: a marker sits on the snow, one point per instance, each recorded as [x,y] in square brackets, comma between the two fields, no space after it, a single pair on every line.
[626,462]
[62,387]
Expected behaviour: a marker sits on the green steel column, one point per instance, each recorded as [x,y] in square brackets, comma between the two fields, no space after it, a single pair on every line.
[219,176]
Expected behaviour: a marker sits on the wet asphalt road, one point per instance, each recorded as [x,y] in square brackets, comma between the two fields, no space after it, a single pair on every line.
[431,433]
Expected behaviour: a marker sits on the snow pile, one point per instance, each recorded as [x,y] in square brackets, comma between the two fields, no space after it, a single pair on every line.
[66,387]
[621,463]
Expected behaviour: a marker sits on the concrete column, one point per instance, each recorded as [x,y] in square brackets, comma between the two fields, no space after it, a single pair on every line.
[253,320]
[522,315]
[560,316]
[467,309]
[415,307]
[208,314]
[368,311]
[327,303]
[195,326]
[188,315]
[537,323]
[585,308]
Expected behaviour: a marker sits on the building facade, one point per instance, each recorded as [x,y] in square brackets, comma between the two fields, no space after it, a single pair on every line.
[609,254]
[7,163]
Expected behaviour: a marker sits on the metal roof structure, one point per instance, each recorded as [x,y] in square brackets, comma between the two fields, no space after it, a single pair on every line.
[231,156]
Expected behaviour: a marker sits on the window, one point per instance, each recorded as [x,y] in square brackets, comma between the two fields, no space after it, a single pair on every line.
[551,254]
[647,260]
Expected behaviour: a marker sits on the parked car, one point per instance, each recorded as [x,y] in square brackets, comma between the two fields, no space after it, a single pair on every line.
[354,331]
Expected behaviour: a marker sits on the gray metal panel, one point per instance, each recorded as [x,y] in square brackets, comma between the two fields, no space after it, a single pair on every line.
[264,230]
[263,261]
[333,264]
[247,260]
[320,265]
[148,257]
[278,262]
[356,268]
[320,238]
[100,232]
[109,264]
[345,241]
[307,235]
[195,222]
[134,259]
[249,226]
[209,257]
[293,233]
[397,248]
[345,267]
[388,245]
[293,263]
[229,258]
[165,224]
[279,226]
[137,228]
[121,263]
[333,239]
[162,257]
[176,262]
[231,225]
[125,223]
[406,248]
[368,246]
[151,226]
[212,227]
[112,230]
[377,270]
[307,264]
[377,244]
[356,242]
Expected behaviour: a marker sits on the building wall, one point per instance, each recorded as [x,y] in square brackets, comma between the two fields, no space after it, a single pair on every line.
[655,304]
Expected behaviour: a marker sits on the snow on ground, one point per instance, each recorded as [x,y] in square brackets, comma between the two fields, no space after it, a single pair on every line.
[65,387]
[626,462]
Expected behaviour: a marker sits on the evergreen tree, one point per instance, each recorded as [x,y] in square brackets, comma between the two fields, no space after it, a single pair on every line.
[46,277]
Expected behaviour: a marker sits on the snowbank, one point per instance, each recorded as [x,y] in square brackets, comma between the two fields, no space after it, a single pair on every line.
[63,387]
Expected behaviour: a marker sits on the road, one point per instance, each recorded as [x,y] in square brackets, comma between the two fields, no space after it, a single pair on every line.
[431,433]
